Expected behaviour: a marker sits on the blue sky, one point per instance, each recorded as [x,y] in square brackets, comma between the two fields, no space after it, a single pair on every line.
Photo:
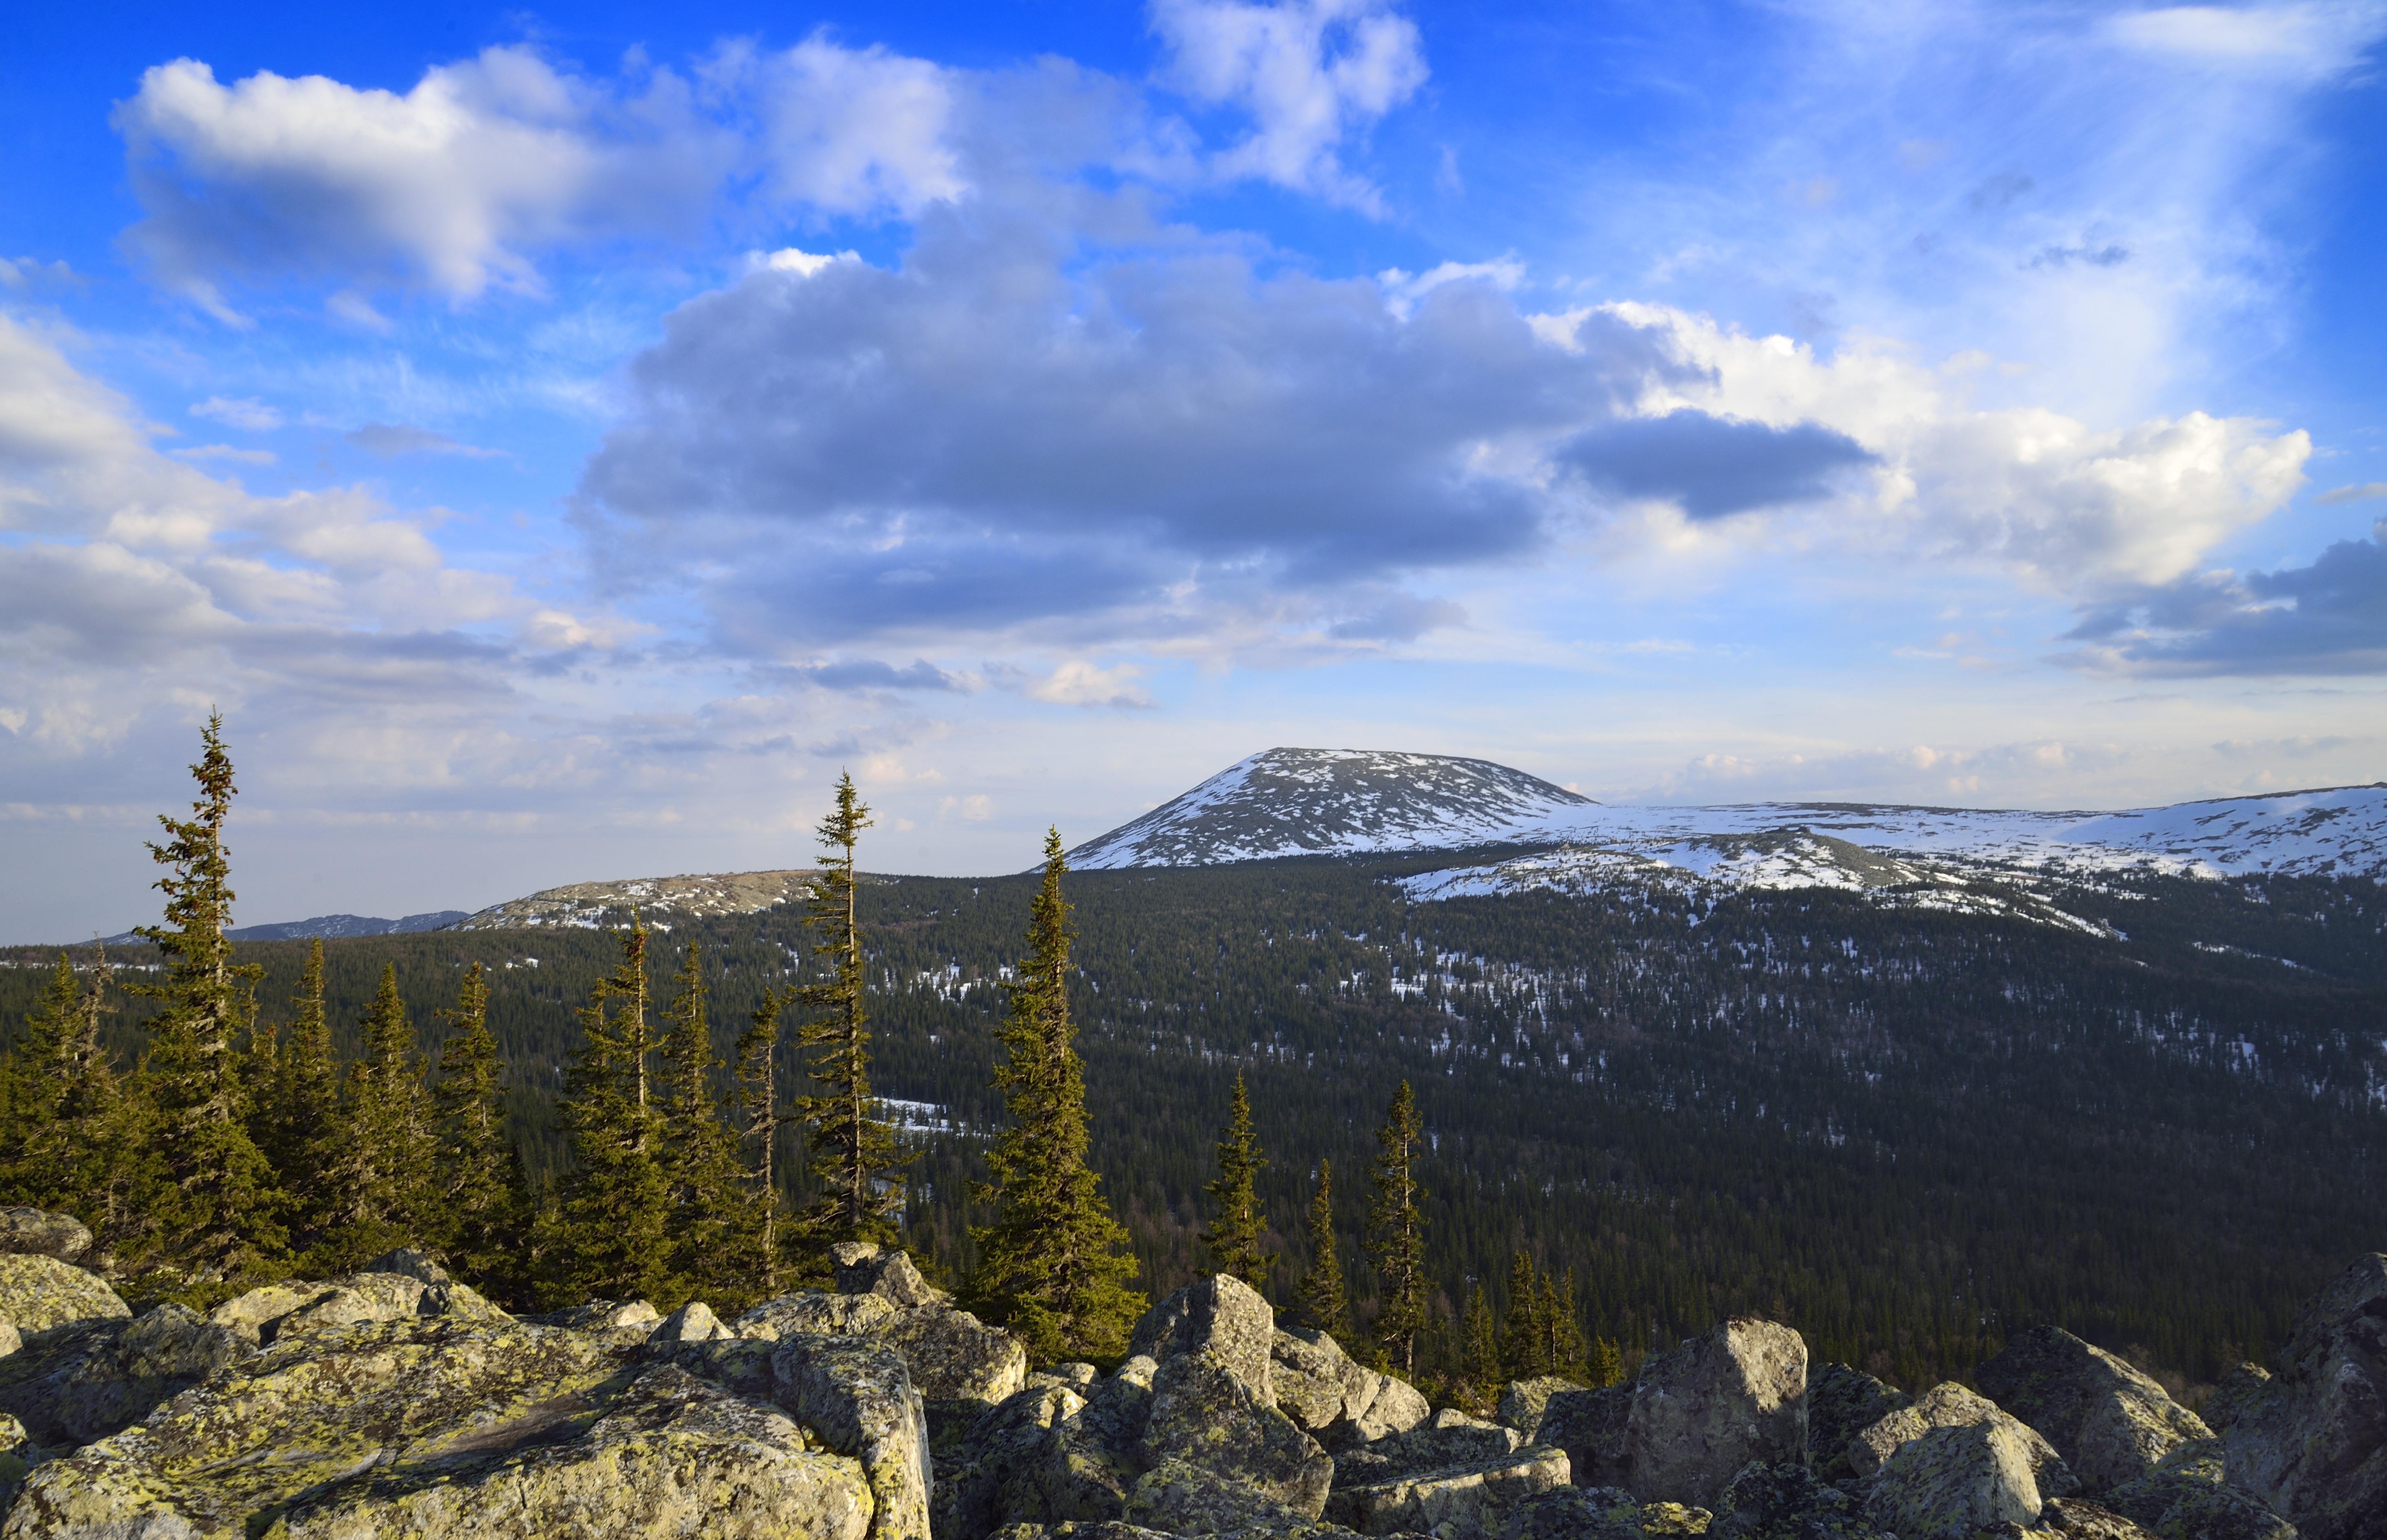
[560,442]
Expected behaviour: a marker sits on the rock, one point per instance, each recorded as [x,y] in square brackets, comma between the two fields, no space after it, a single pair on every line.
[693,1321]
[1462,1443]
[833,1315]
[18,1454]
[1222,1316]
[2313,1443]
[2238,1388]
[443,1429]
[1787,1502]
[1207,1416]
[2186,1497]
[1841,1403]
[1474,1497]
[952,1357]
[1954,1481]
[10,1339]
[1101,1531]
[1181,1499]
[1670,1519]
[995,1475]
[865,1268]
[1522,1402]
[1589,1425]
[264,1315]
[408,1262]
[622,1323]
[1575,1513]
[1735,1394]
[2111,1423]
[1345,1404]
[2083,1520]
[31,1232]
[856,1394]
[1951,1405]
[41,1294]
[83,1382]
[1091,1464]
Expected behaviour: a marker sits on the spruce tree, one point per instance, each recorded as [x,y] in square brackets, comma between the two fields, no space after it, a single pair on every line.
[479,1170]
[304,1125]
[754,1236]
[1049,1265]
[607,1236]
[1323,1303]
[851,1149]
[33,1091]
[701,1161]
[385,1174]
[1234,1234]
[213,1213]
[1480,1346]
[1396,1232]
[1562,1336]
[1522,1347]
[1607,1366]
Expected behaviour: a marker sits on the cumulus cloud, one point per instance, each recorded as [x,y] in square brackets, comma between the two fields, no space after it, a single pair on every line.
[1312,73]
[1713,466]
[2327,617]
[848,130]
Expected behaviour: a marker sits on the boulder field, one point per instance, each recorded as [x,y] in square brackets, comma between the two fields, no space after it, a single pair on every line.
[398,1402]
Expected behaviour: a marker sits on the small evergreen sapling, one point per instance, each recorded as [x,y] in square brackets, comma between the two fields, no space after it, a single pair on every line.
[1234,1234]
[1324,1302]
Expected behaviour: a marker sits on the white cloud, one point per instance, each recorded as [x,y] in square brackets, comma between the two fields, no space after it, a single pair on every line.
[2314,40]
[1078,683]
[1403,290]
[850,130]
[225,451]
[1312,73]
[2359,493]
[246,414]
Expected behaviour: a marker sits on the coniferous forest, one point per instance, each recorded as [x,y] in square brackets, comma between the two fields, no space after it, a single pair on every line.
[1550,1131]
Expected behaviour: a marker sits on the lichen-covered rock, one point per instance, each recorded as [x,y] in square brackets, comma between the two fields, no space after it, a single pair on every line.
[2111,1423]
[856,1396]
[1092,1463]
[17,1453]
[1464,1443]
[693,1321]
[1951,1405]
[621,1323]
[2192,1503]
[41,1294]
[1953,1483]
[2082,1519]
[2238,1388]
[1109,1530]
[32,1232]
[1314,1382]
[1589,1425]
[1222,1316]
[1575,1513]
[1841,1403]
[863,1268]
[1180,1499]
[953,1357]
[372,1434]
[1207,1416]
[1787,1502]
[2313,1445]
[1523,1401]
[1471,1499]
[1734,1394]
[10,1339]
[263,1315]
[821,1314]
[78,1382]
[990,1477]
[1673,1518]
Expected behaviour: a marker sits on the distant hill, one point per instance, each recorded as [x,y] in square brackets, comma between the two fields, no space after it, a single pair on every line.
[329,926]
[597,904]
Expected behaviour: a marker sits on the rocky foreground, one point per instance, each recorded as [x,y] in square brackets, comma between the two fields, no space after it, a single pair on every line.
[399,1402]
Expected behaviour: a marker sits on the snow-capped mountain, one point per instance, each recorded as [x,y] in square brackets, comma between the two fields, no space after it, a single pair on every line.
[1314,801]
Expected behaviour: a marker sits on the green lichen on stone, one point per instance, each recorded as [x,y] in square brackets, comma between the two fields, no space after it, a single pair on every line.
[1659,1519]
[41,1294]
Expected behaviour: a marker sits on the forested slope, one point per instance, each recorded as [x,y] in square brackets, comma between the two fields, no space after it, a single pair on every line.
[1901,1131]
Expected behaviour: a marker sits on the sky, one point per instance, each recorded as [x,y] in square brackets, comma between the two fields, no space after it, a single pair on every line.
[561,442]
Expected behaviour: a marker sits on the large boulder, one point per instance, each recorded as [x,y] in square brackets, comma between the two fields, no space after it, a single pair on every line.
[439,1427]
[1735,1394]
[1523,1401]
[1951,1405]
[619,1322]
[2188,1495]
[693,1321]
[960,1366]
[1787,1502]
[856,1396]
[264,1315]
[995,1473]
[1343,1403]
[1221,1315]
[42,1293]
[2313,1443]
[2238,1388]
[1841,1403]
[1575,1513]
[863,1268]
[1204,1414]
[1589,1425]
[1953,1483]
[10,1338]
[2078,1519]
[1476,1498]
[1180,1499]
[32,1232]
[83,1382]
[1450,1443]
[2111,1423]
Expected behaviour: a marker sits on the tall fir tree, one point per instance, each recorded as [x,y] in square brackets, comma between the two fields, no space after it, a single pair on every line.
[1523,1350]
[1396,1232]
[852,1151]
[59,1104]
[1325,1305]
[755,1237]
[1480,1349]
[1049,1265]
[385,1171]
[303,1128]
[1237,1223]
[480,1178]
[1562,1345]
[699,1155]
[213,1213]
[607,1234]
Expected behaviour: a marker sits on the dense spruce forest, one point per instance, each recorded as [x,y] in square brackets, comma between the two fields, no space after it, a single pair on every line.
[1903,1132]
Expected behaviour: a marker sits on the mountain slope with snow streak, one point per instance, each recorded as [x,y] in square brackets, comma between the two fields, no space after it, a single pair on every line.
[1309,801]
